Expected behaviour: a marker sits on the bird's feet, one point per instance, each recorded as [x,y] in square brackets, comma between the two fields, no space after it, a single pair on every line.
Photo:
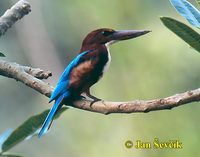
[87,94]
[95,99]
[94,102]
[91,97]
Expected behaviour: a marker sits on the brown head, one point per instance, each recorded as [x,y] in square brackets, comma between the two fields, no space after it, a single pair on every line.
[107,36]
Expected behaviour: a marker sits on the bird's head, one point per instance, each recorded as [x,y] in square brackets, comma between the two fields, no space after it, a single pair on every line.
[105,36]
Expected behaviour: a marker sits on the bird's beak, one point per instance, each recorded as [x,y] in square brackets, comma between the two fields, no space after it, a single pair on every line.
[128,34]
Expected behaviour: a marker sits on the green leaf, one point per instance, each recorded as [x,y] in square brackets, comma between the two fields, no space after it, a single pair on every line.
[188,11]
[2,55]
[183,31]
[28,128]
[4,137]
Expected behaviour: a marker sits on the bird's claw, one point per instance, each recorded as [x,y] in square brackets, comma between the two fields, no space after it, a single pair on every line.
[94,100]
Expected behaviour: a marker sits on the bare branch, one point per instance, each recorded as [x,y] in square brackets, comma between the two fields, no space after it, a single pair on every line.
[37,72]
[18,72]
[140,105]
[16,12]
[27,75]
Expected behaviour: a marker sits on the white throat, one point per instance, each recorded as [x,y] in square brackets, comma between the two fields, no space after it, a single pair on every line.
[109,56]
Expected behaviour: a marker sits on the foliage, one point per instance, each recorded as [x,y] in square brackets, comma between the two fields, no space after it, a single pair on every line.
[192,15]
[188,11]
[2,55]
[183,31]
[27,130]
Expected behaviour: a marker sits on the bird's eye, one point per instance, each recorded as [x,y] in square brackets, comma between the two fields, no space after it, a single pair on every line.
[106,33]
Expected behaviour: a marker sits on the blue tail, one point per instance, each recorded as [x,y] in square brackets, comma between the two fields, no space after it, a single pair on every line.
[50,116]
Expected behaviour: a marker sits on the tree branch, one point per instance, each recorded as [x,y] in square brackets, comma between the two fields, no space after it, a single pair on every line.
[27,75]
[16,12]
[23,74]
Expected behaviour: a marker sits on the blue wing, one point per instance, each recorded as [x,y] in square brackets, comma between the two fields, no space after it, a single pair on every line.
[60,92]
[63,82]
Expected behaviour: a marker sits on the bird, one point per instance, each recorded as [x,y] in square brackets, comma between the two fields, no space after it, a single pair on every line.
[86,69]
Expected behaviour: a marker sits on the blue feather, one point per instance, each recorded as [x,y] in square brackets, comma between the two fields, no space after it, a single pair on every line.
[50,116]
[60,92]
[62,84]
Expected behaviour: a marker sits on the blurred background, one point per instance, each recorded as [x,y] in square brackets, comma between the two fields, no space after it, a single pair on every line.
[156,65]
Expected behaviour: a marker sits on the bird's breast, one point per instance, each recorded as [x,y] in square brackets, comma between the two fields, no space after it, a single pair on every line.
[87,73]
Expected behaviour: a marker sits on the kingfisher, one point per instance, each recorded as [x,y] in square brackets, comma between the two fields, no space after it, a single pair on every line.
[86,69]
